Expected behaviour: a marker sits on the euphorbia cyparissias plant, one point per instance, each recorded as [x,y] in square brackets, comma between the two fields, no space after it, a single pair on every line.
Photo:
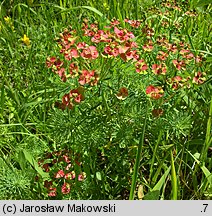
[77,61]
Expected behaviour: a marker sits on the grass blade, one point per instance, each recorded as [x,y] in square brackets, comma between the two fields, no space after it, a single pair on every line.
[138,157]
[162,180]
[173,179]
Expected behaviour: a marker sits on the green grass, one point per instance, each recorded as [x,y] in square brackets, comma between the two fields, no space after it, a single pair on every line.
[121,145]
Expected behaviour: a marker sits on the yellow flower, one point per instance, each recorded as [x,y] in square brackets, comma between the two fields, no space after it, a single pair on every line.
[9,22]
[106,6]
[7,19]
[26,40]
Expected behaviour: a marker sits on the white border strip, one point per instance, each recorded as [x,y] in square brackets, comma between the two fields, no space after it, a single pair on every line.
[104,207]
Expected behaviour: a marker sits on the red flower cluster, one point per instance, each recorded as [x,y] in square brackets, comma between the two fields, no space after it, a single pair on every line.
[75,96]
[122,94]
[154,92]
[176,82]
[113,41]
[118,41]
[87,77]
[199,78]
[157,112]
[187,54]
[149,32]
[63,178]
[179,64]
[141,67]
[148,47]
[133,23]
[56,65]
[60,174]
[89,52]
[159,69]
[66,187]
[162,56]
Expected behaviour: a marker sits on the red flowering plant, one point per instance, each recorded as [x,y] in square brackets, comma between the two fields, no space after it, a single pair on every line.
[64,169]
[112,62]
[163,65]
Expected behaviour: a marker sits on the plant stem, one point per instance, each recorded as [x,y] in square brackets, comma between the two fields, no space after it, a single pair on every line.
[155,153]
[138,158]
[208,136]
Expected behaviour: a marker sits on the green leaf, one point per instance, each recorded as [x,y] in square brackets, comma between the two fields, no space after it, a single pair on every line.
[208,175]
[93,9]
[22,160]
[209,59]
[24,5]
[2,98]
[162,180]
[173,179]
[120,16]
[98,176]
[201,3]
[34,164]
[153,195]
